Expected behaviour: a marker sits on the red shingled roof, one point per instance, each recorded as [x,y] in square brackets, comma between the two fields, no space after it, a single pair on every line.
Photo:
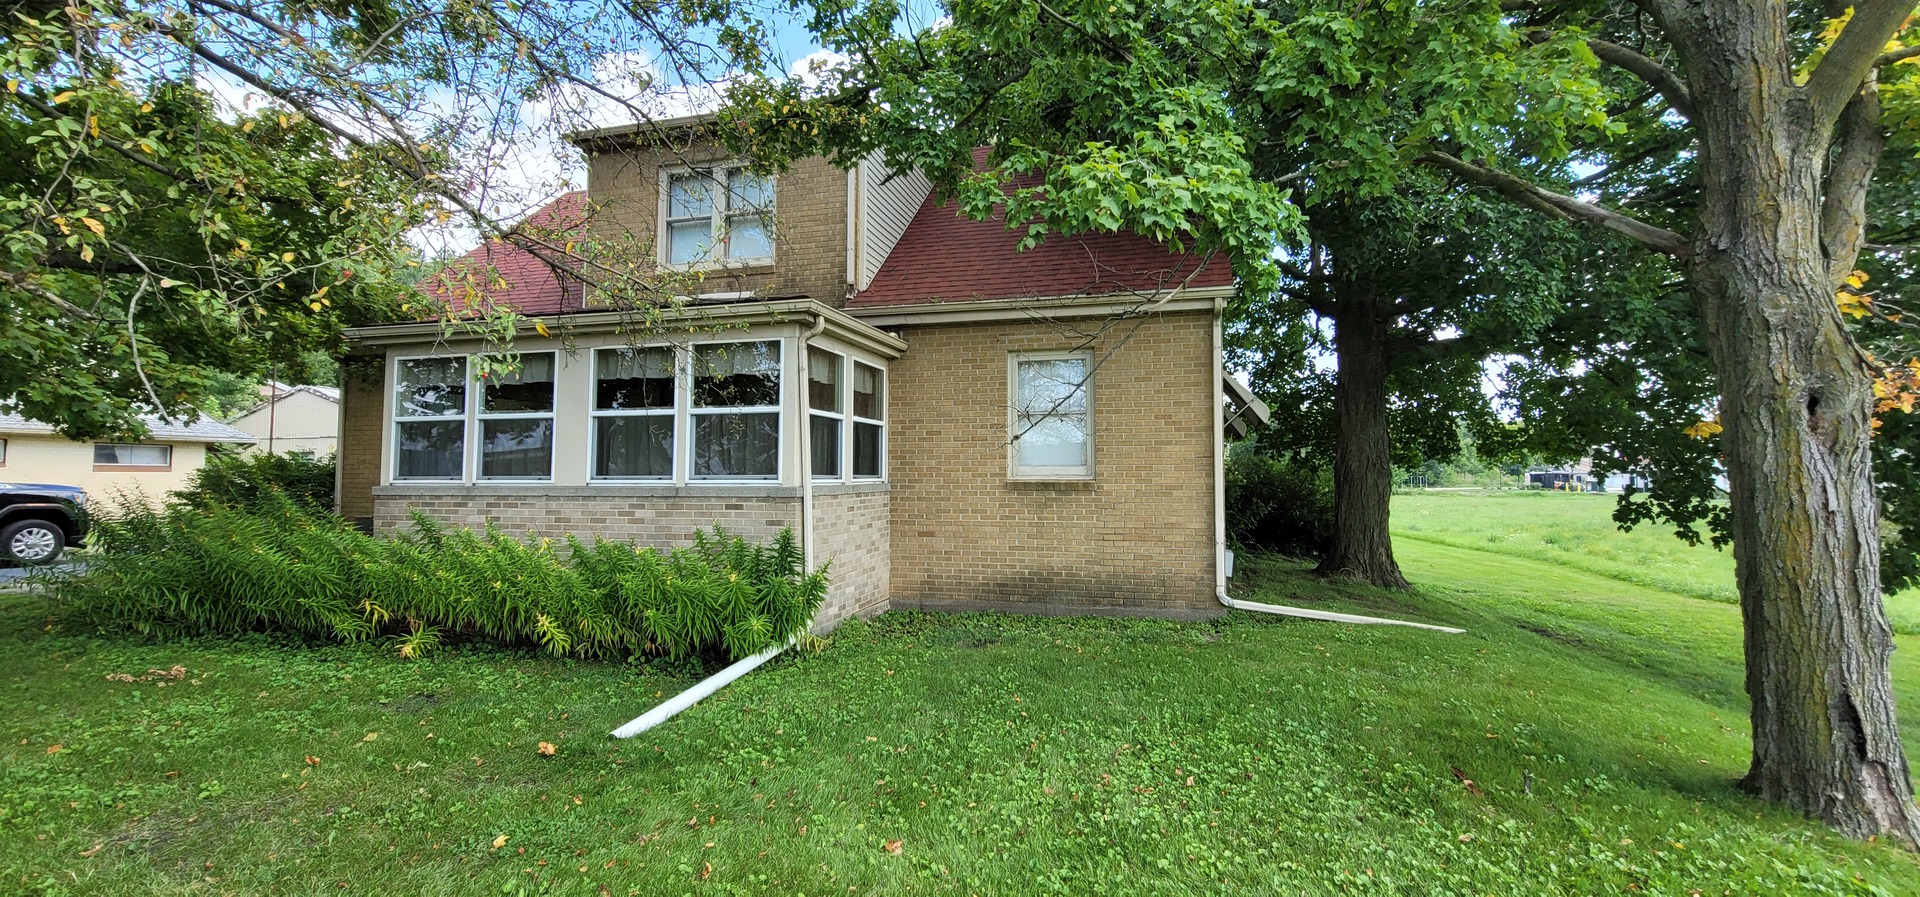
[504,275]
[944,257]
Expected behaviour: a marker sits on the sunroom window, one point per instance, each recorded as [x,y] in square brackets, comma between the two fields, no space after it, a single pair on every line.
[826,399]
[736,410]
[633,413]
[516,419]
[430,418]
[869,420]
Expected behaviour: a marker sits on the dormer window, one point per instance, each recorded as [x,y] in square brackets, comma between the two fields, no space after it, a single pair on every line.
[716,215]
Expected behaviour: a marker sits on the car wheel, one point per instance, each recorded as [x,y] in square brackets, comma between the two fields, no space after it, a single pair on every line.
[33,542]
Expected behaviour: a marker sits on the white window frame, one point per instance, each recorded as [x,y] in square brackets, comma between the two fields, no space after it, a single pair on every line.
[886,396]
[720,210]
[477,403]
[128,465]
[682,399]
[394,419]
[693,410]
[1018,471]
[843,416]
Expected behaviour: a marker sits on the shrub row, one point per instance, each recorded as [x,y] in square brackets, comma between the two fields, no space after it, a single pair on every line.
[280,566]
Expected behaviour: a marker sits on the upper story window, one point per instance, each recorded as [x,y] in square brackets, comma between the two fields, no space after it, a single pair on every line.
[1051,418]
[717,215]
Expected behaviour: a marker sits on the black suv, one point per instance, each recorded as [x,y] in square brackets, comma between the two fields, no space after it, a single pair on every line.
[38,520]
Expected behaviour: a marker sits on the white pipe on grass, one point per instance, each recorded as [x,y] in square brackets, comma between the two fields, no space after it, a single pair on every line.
[667,709]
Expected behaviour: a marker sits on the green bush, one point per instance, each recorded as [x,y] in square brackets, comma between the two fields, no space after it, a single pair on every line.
[1279,506]
[284,567]
[238,481]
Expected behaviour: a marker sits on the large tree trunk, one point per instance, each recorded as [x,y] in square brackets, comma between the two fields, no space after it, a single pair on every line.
[1362,463]
[1796,406]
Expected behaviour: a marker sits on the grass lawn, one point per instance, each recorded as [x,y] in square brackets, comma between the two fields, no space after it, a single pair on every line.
[941,755]
[1577,530]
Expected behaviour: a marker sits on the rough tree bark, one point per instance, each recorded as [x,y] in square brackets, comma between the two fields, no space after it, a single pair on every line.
[1796,406]
[1362,460]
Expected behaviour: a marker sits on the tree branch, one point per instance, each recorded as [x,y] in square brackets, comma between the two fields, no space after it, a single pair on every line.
[31,285]
[1892,56]
[1837,79]
[1843,208]
[1560,205]
[1658,76]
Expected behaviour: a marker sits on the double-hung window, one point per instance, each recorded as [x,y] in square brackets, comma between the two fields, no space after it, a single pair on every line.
[736,410]
[869,421]
[430,418]
[516,420]
[1051,419]
[633,413]
[716,215]
[826,400]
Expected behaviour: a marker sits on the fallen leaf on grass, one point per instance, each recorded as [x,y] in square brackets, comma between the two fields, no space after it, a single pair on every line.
[894,847]
[92,850]
[1460,774]
[370,736]
[56,749]
[706,871]
[499,842]
[312,760]
[546,749]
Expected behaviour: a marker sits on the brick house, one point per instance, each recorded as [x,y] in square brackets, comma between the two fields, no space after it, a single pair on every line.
[954,425]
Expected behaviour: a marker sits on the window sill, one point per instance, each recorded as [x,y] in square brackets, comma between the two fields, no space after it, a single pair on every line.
[729,266]
[861,487]
[132,468]
[1052,484]
[590,490]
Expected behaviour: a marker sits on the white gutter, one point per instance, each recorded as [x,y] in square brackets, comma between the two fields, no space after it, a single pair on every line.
[672,706]
[1223,558]
[666,710]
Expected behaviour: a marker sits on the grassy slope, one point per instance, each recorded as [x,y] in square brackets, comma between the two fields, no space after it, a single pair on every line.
[1008,755]
[1577,530]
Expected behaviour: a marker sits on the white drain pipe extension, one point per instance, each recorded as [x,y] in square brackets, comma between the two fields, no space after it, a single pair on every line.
[1223,558]
[667,709]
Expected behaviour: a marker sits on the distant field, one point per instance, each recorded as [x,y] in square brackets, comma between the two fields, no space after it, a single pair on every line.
[1577,530]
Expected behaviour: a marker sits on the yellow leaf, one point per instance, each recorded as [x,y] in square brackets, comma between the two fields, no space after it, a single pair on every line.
[13,85]
[322,292]
[99,230]
[93,126]
[314,305]
[499,842]
[546,749]
[286,257]
[1857,279]
[371,736]
[146,108]
[247,128]
[63,97]
[86,253]
[540,327]
[1703,429]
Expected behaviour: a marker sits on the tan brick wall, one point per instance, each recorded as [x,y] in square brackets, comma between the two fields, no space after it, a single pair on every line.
[363,412]
[1137,539]
[631,514]
[851,531]
[810,210]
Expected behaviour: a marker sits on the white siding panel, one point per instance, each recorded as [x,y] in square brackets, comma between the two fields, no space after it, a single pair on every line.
[886,208]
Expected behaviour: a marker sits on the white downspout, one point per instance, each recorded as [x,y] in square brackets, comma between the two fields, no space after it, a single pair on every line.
[1223,558]
[666,710]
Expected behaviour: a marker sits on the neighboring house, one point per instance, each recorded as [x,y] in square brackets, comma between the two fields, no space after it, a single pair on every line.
[291,419]
[951,423]
[31,452]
